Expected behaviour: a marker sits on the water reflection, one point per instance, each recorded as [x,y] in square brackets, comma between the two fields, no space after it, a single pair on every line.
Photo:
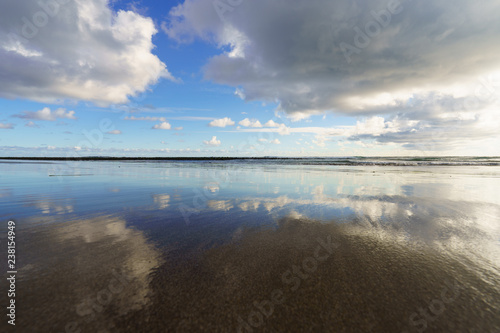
[199,243]
[162,200]
[83,273]
[304,275]
[48,206]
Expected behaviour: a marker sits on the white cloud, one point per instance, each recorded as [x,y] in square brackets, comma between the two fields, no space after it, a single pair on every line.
[320,141]
[114,132]
[298,116]
[189,118]
[213,142]
[221,122]
[283,130]
[47,115]
[240,94]
[178,128]
[274,142]
[250,123]
[163,126]
[85,150]
[432,132]
[6,126]
[271,123]
[87,52]
[145,118]
[31,124]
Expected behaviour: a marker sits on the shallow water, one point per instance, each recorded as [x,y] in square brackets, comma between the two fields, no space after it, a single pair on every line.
[233,245]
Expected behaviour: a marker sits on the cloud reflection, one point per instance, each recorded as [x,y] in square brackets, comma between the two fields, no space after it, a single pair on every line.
[472,228]
[47,206]
[74,261]
[161,200]
[222,205]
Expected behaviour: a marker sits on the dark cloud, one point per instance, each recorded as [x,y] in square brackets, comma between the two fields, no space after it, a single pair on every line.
[294,52]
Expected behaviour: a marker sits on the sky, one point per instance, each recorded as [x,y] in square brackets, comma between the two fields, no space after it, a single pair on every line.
[249,78]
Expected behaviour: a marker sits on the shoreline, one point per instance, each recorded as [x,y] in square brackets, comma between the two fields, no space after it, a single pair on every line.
[319,161]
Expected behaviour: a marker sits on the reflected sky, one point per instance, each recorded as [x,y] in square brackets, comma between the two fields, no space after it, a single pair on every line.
[82,223]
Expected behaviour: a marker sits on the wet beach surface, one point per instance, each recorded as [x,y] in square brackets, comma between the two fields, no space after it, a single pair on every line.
[227,247]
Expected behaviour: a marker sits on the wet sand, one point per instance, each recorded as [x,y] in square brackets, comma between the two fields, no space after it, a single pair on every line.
[366,284]
[302,276]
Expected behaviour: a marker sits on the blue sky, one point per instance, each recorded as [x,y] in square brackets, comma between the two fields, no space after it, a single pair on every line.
[248,78]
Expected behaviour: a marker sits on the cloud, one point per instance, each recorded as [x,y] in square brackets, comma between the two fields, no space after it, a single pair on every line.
[250,123]
[440,132]
[189,118]
[6,126]
[178,128]
[320,141]
[271,123]
[145,118]
[298,116]
[295,54]
[221,122]
[284,130]
[85,52]
[213,142]
[274,142]
[85,150]
[163,126]
[47,115]
[431,132]
[31,124]
[114,132]
[238,92]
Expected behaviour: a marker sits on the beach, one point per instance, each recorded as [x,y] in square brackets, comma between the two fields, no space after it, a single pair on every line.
[267,245]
